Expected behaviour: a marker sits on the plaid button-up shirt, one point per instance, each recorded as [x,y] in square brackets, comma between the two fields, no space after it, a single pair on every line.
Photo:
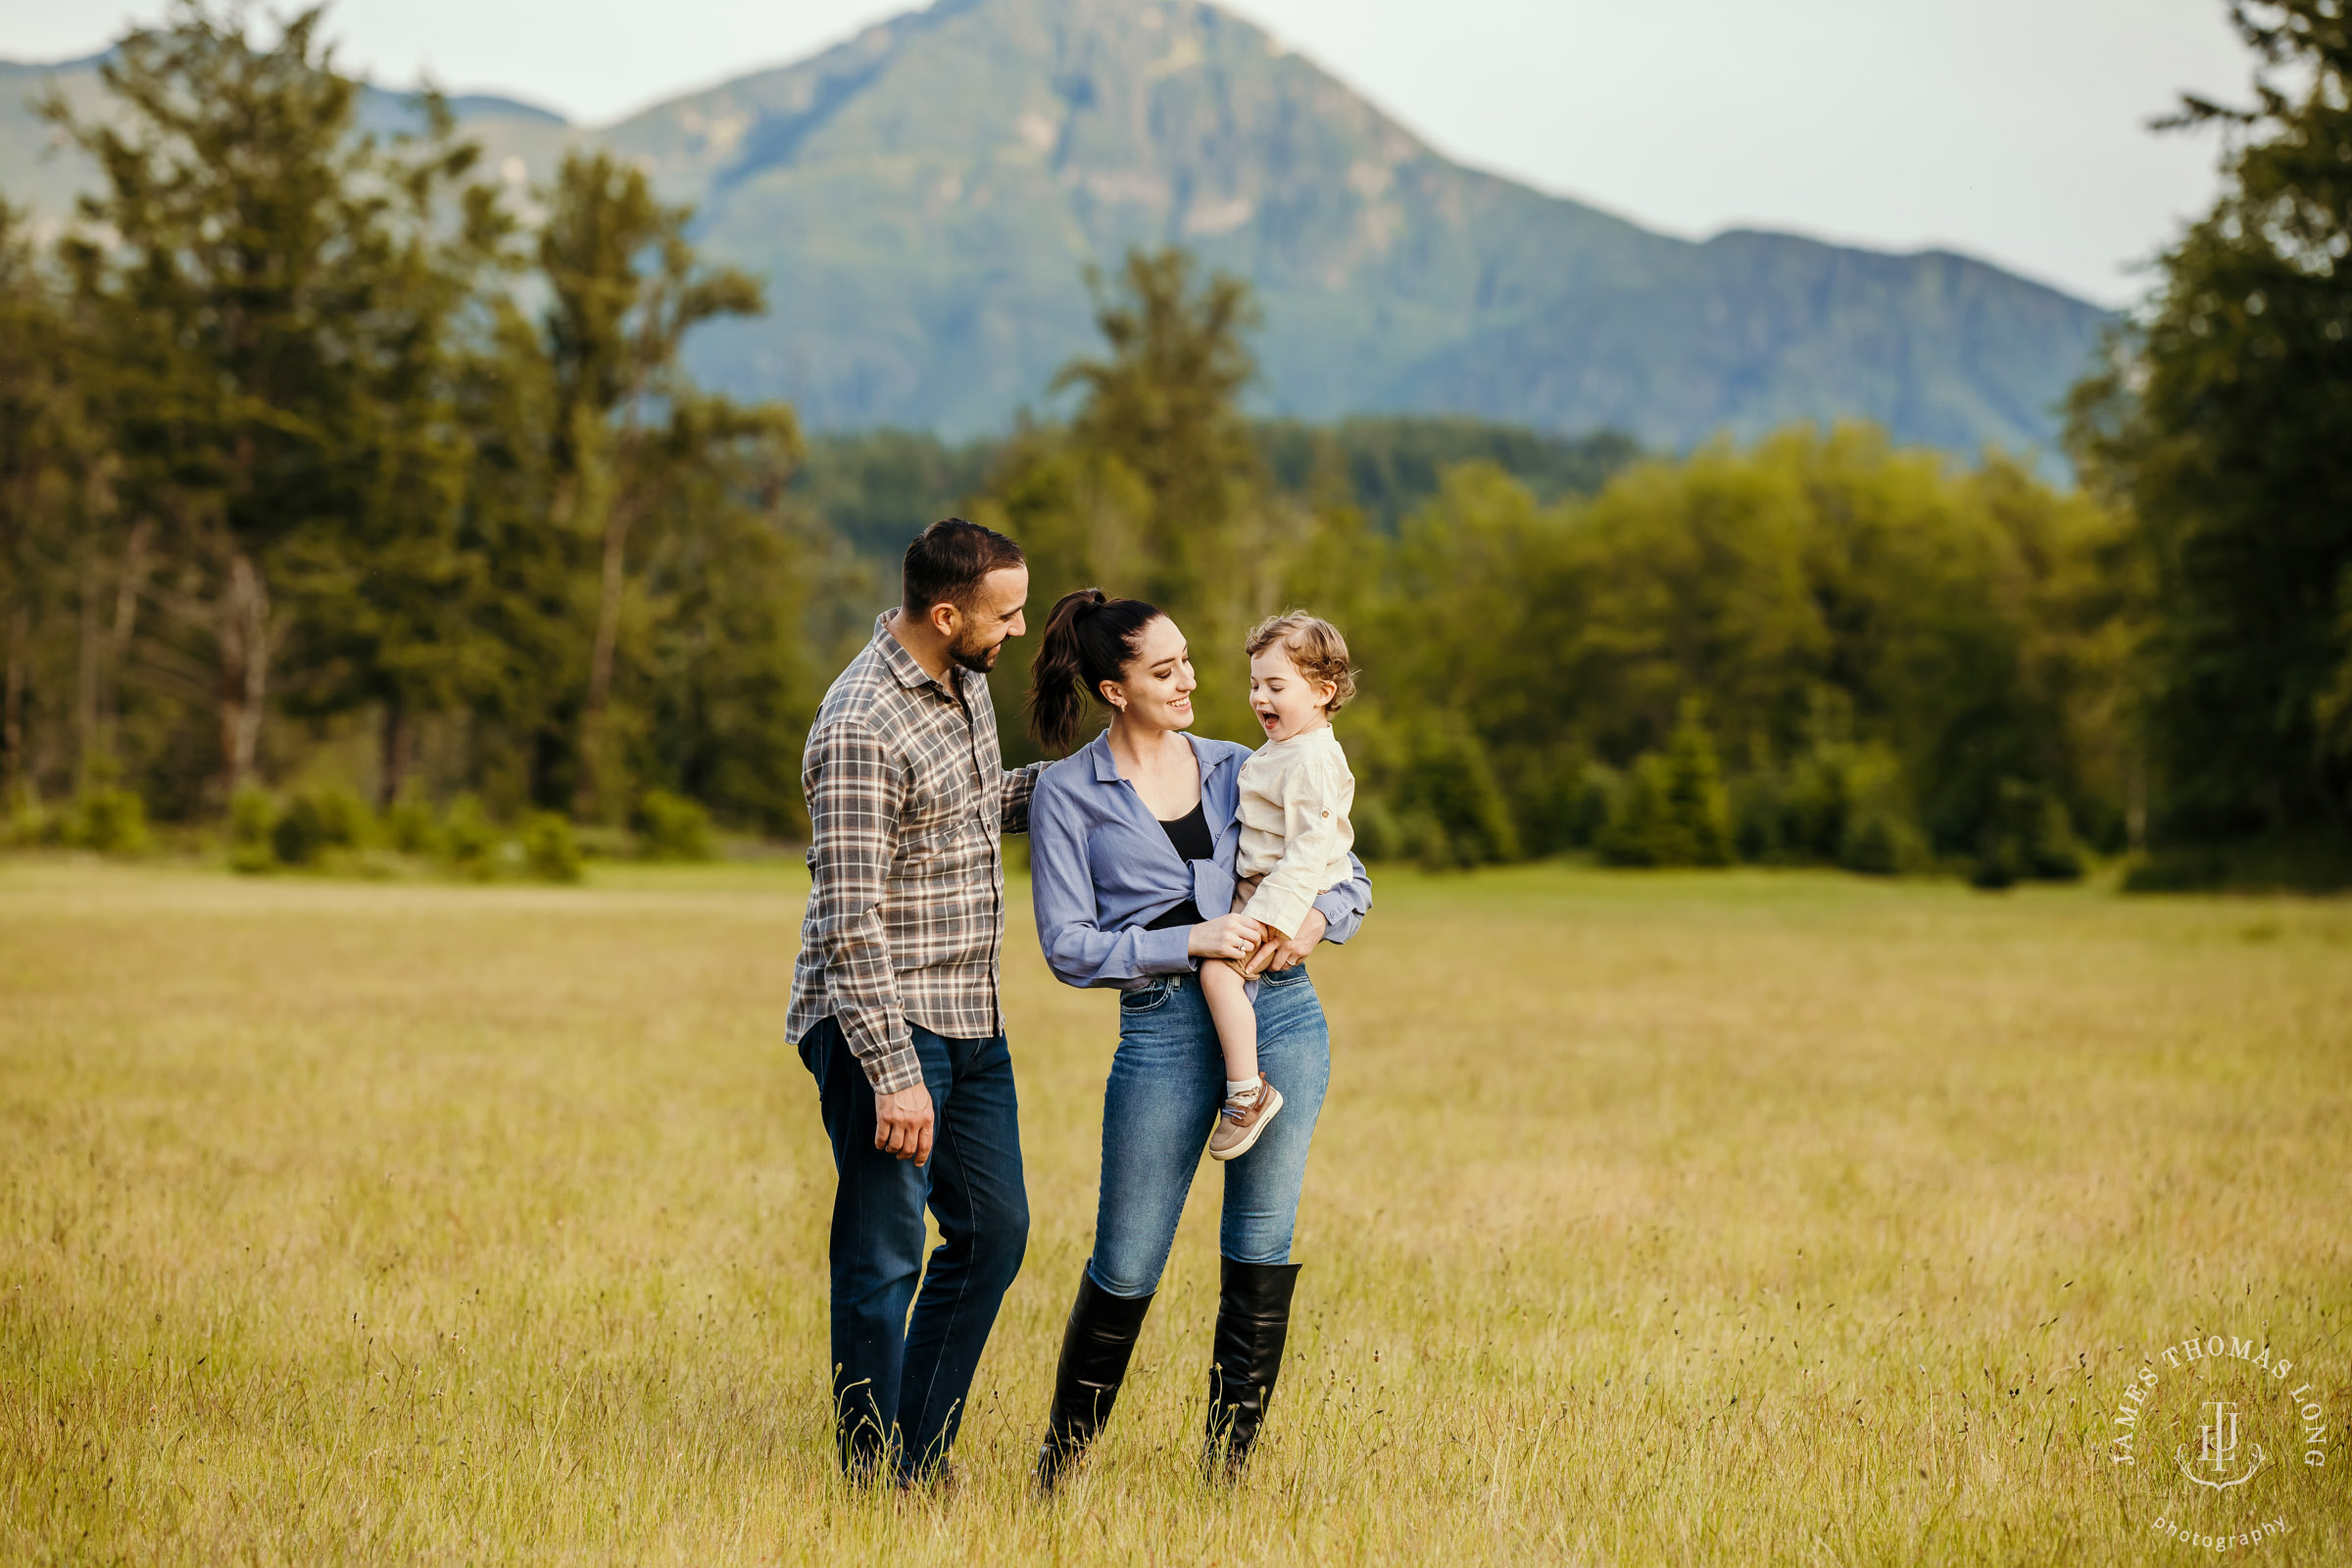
[907,801]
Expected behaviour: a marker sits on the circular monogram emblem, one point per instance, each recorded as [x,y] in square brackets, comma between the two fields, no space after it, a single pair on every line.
[2216,1416]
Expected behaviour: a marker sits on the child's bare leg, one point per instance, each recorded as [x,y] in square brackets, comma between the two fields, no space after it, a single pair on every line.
[1236,1019]
[1226,989]
[1250,1102]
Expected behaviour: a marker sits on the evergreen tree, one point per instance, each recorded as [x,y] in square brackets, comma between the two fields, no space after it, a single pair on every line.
[2226,421]
[727,682]
[250,275]
[1156,490]
[1673,811]
[625,289]
[391,598]
[1164,402]
[67,576]
[37,438]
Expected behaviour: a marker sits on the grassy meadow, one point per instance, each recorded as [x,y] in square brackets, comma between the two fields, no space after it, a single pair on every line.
[1740,1217]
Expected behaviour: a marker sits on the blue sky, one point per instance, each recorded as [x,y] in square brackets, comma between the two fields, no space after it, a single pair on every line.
[2012,130]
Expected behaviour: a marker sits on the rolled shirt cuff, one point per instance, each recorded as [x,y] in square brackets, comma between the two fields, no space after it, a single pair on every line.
[1284,911]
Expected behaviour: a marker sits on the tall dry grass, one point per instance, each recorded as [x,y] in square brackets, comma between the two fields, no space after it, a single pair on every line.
[1734,1218]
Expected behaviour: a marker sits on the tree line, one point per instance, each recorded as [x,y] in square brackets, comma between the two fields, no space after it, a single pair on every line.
[1820,650]
[320,456]
[309,430]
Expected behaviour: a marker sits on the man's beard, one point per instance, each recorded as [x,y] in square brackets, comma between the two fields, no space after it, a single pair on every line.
[979,660]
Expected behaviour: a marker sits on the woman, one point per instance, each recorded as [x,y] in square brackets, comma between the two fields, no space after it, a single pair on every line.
[1129,840]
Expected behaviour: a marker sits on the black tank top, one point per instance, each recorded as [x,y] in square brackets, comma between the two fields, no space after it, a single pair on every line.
[1189,835]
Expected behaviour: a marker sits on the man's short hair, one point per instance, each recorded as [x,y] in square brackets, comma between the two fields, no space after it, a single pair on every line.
[949,561]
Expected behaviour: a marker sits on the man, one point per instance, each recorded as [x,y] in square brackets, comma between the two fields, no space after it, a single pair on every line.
[894,1000]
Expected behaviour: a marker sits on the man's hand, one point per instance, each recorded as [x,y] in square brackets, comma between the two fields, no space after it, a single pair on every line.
[1230,937]
[1281,952]
[903,1123]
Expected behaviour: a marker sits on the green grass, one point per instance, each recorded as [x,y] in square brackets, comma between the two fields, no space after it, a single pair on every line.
[1744,1217]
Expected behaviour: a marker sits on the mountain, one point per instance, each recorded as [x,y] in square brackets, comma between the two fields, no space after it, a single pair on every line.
[923,200]
[40,170]
[36,171]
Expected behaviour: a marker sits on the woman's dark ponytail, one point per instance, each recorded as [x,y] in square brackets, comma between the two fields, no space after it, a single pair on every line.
[1053,680]
[1090,637]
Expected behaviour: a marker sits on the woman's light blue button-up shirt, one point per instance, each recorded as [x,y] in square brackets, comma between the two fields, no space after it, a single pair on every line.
[1101,867]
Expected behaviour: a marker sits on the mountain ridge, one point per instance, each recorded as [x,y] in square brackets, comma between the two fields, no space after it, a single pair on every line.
[923,197]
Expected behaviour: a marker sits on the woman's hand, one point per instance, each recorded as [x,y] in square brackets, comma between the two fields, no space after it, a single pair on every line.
[1231,937]
[1282,952]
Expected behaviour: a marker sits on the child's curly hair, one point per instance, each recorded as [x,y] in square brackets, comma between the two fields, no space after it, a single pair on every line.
[1314,645]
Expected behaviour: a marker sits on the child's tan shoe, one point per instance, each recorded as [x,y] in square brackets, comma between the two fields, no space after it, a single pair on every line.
[1239,1122]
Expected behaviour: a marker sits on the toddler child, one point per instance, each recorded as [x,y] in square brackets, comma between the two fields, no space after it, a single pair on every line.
[1296,795]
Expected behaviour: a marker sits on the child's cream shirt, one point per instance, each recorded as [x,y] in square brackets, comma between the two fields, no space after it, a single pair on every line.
[1296,796]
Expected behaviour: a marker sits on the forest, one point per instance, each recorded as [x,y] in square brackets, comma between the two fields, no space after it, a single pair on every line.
[355,508]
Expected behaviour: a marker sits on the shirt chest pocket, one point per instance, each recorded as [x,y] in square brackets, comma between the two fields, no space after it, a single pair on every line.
[945,802]
[945,814]
[940,840]
[951,830]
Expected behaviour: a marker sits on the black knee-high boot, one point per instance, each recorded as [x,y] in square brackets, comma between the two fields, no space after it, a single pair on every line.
[1095,1349]
[1253,1320]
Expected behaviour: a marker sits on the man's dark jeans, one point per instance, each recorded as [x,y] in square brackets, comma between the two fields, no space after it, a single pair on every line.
[898,1387]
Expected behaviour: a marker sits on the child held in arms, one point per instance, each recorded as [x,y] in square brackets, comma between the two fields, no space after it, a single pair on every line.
[1295,793]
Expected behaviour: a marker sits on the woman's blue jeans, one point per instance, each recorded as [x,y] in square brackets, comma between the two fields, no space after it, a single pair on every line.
[1166,1083]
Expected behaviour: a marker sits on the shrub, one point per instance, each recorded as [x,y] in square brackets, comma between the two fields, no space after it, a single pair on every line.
[1816,804]
[671,827]
[409,825]
[2053,853]
[1432,848]
[2316,863]
[1378,837]
[1551,797]
[252,822]
[550,851]
[1455,815]
[1674,811]
[1642,829]
[469,840]
[1839,802]
[1882,844]
[1759,805]
[2030,837]
[344,818]
[109,819]
[1994,870]
[299,834]
[1596,798]
[1877,834]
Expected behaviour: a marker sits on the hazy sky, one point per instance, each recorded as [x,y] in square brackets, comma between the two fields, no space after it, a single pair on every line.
[2012,130]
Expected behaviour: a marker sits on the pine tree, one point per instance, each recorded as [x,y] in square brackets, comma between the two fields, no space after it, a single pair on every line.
[251,273]
[1164,402]
[626,288]
[391,595]
[2226,422]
